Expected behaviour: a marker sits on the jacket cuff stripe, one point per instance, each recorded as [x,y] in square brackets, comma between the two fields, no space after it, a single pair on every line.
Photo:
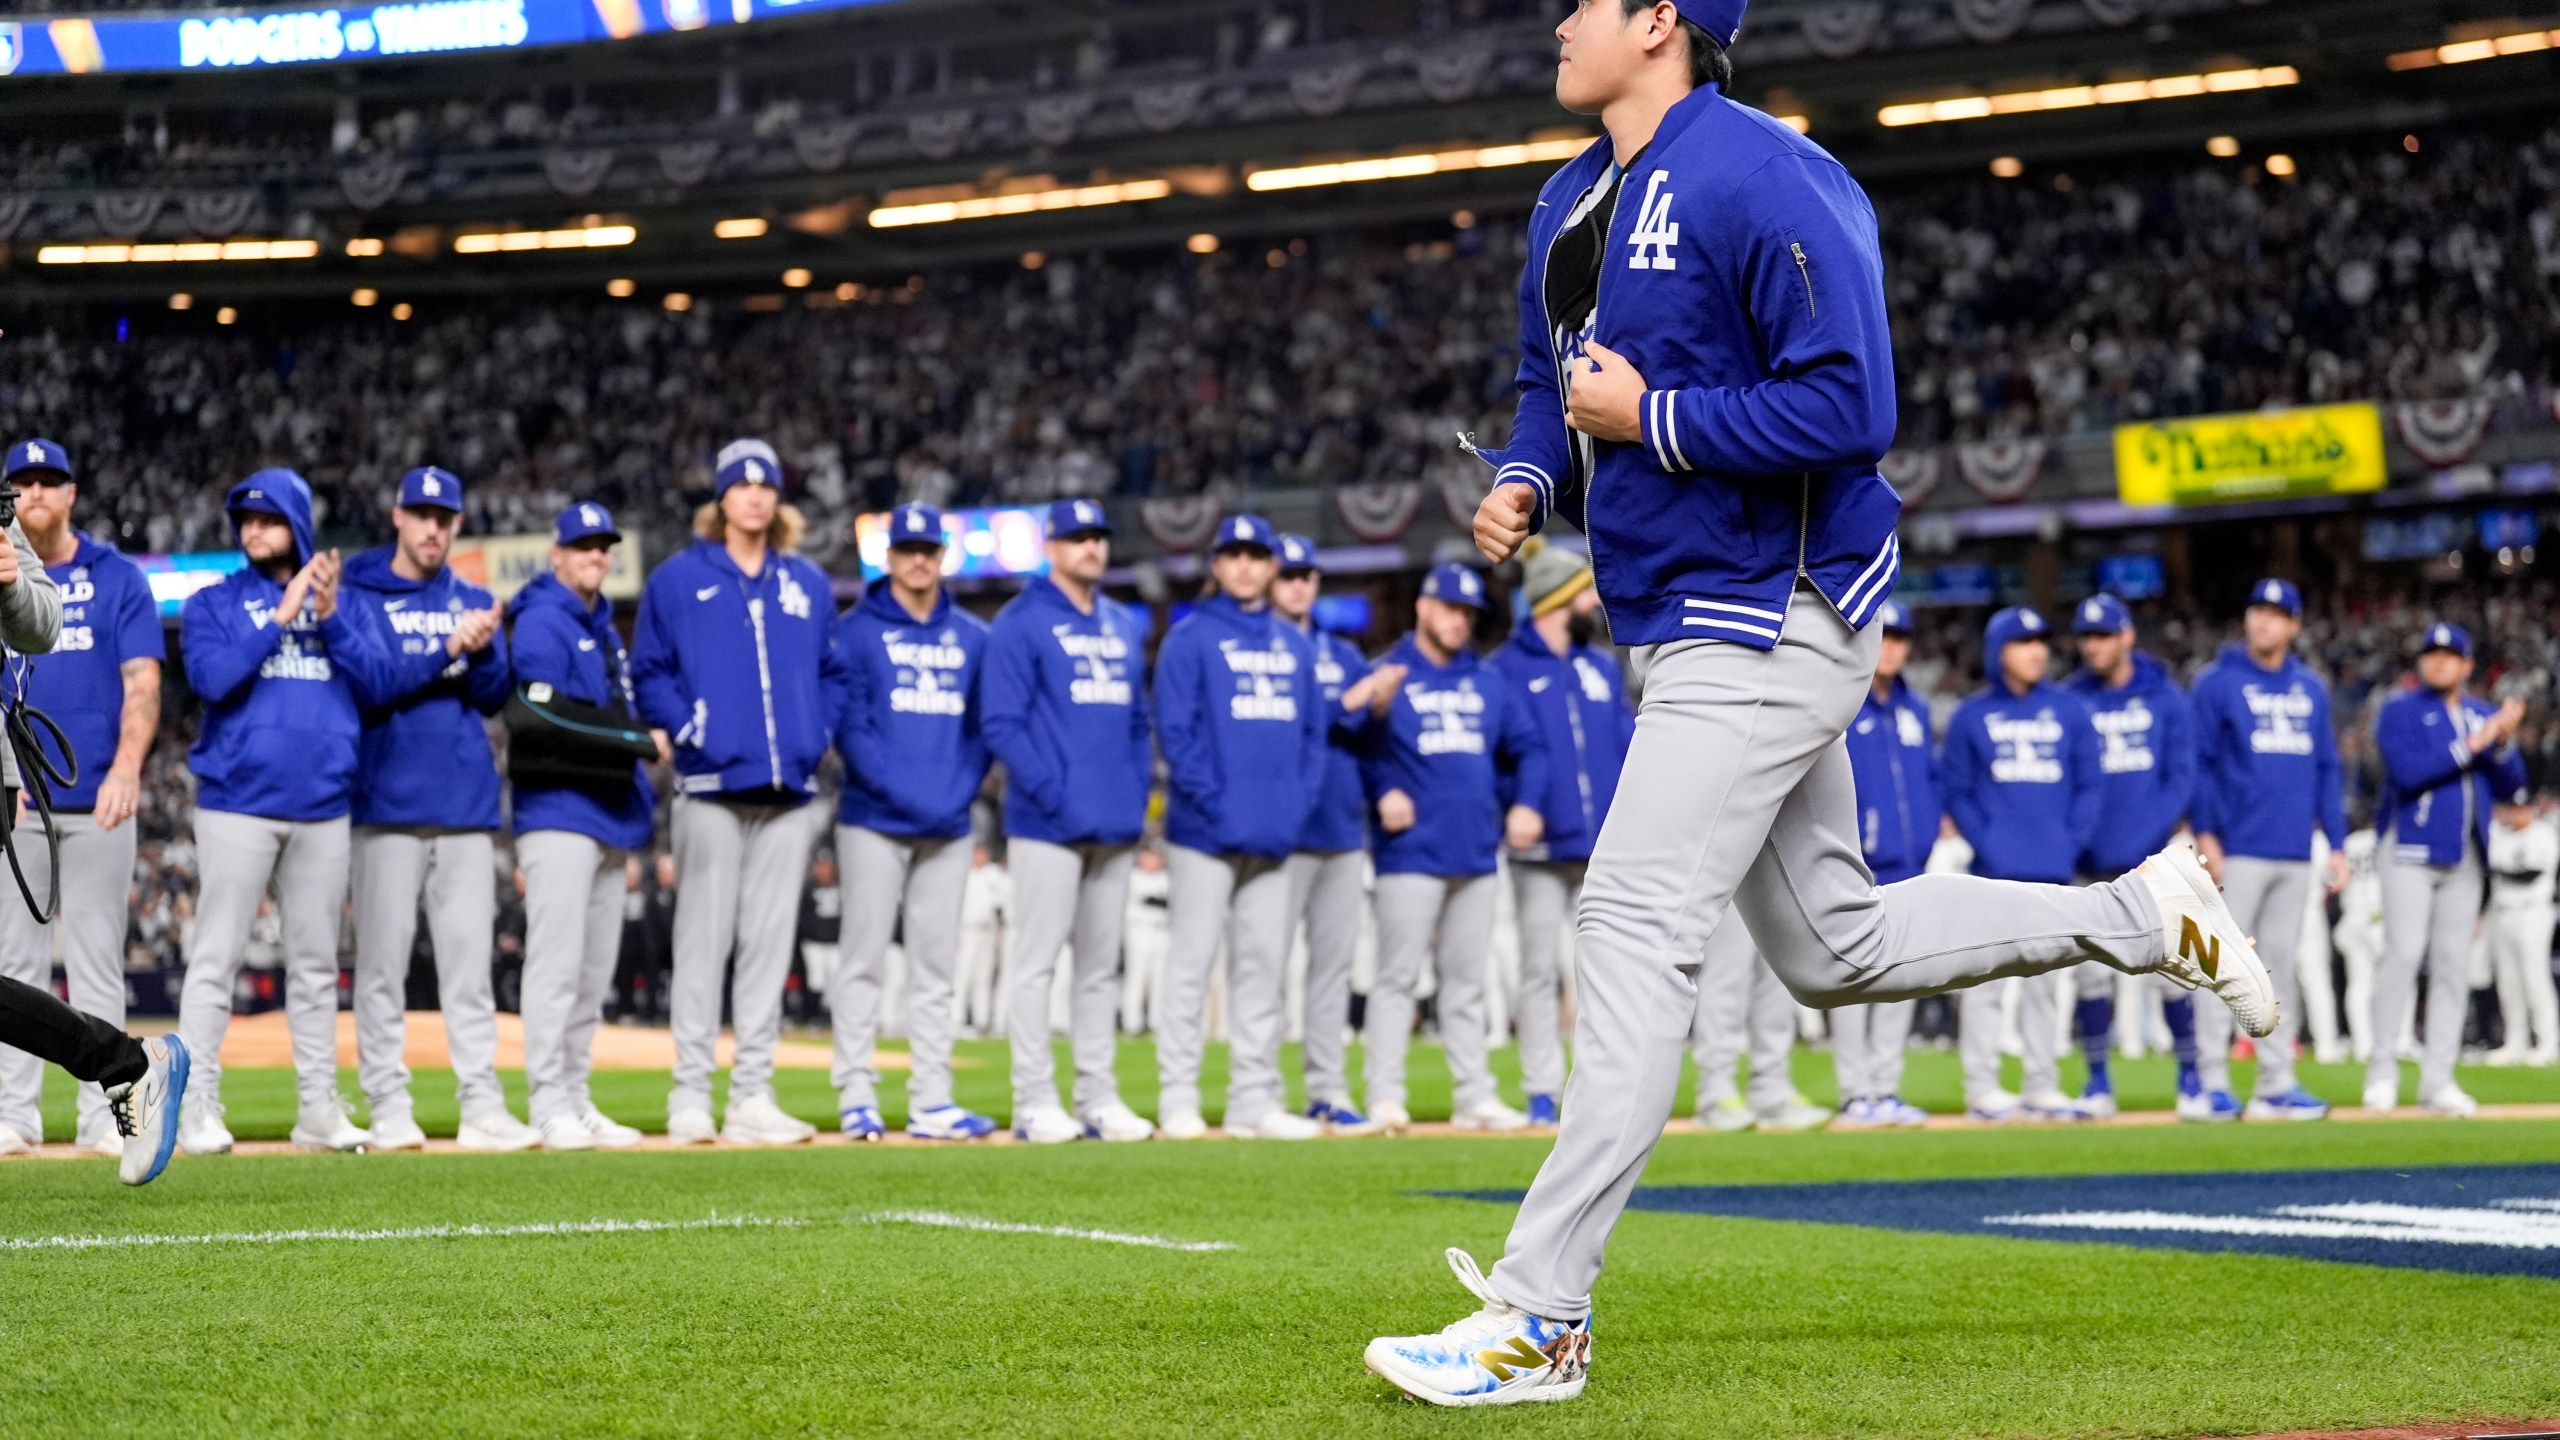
[1671,429]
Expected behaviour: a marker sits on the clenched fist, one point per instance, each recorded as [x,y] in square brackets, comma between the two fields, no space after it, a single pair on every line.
[1502,521]
[1606,395]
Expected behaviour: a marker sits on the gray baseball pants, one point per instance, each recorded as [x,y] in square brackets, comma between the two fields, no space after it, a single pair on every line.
[1066,894]
[2267,900]
[455,872]
[1739,799]
[1412,909]
[1243,899]
[1328,887]
[739,870]
[1544,892]
[1742,1003]
[885,877]
[573,894]
[97,881]
[237,856]
[1868,1046]
[1978,1020]
[2428,915]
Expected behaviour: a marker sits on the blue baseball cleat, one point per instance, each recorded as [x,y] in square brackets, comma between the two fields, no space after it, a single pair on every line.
[1500,1355]
[146,1110]
[862,1122]
[2294,1104]
[949,1122]
[1542,1109]
[1340,1117]
[2205,1107]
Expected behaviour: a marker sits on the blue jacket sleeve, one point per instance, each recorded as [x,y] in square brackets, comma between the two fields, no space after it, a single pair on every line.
[849,700]
[2327,789]
[2088,782]
[1960,771]
[1804,243]
[1522,747]
[2508,782]
[2213,776]
[378,674]
[1182,723]
[2415,764]
[1348,722]
[1012,681]
[545,652]
[487,675]
[657,671]
[1540,451]
[223,650]
[2177,754]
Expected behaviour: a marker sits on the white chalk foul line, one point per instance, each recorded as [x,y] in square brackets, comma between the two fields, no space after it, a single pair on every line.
[935,1218]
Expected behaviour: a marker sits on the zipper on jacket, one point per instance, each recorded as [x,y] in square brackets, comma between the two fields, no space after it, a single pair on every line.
[1804,527]
[1804,267]
[764,681]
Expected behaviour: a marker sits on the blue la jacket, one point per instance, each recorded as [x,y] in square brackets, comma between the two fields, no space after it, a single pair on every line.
[1067,714]
[1743,280]
[1242,723]
[424,758]
[1453,728]
[1897,783]
[738,672]
[108,619]
[1585,724]
[2022,778]
[2266,759]
[280,702]
[554,640]
[1337,814]
[910,726]
[2147,750]
[2437,794]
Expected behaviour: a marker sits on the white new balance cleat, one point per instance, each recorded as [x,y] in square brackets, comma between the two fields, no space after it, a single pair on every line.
[497,1132]
[1500,1355]
[1276,1125]
[2449,1102]
[397,1132]
[756,1120]
[1183,1125]
[1116,1122]
[1794,1114]
[328,1128]
[200,1130]
[1490,1115]
[1046,1125]
[609,1133]
[2202,947]
[567,1132]
[12,1143]
[691,1125]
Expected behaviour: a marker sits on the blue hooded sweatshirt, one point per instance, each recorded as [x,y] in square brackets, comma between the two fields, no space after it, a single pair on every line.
[2437,794]
[739,672]
[1066,711]
[1337,815]
[108,619]
[2147,750]
[910,725]
[1243,723]
[1897,783]
[1584,725]
[2022,777]
[425,758]
[1444,742]
[280,702]
[2266,758]
[557,641]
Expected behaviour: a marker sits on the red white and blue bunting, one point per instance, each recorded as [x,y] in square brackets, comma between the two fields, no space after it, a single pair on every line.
[1989,22]
[2442,432]
[1837,32]
[2001,471]
[1181,523]
[1381,511]
[1914,474]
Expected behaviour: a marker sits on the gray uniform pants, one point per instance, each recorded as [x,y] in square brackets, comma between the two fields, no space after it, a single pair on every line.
[236,858]
[739,870]
[97,879]
[886,878]
[1544,892]
[1412,909]
[2428,915]
[1742,1004]
[573,893]
[1738,799]
[454,871]
[2267,900]
[1066,894]
[1328,887]
[1243,899]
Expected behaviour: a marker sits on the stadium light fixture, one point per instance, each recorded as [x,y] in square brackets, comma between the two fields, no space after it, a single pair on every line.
[1203,243]
[226,315]
[2222,147]
[2008,167]
[745,227]
[188,252]
[402,311]
[365,298]
[2464,52]
[621,289]
[796,278]
[677,302]
[2078,97]
[2280,166]
[590,237]
[1411,167]
[182,301]
[1019,202]
[364,247]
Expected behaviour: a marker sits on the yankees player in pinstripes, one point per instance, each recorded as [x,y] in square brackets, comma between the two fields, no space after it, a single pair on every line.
[1706,384]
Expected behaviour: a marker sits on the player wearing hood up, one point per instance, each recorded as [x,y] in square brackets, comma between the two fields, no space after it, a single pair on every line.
[426,816]
[283,669]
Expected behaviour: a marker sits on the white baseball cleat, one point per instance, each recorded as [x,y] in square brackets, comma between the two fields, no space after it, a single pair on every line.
[691,1125]
[1490,1115]
[2202,947]
[1277,1125]
[609,1133]
[397,1132]
[1046,1125]
[200,1129]
[1114,1121]
[2382,1097]
[1726,1115]
[567,1132]
[496,1131]
[328,1128]
[147,1111]
[1794,1114]
[1500,1355]
[1992,1107]
[2050,1107]
[756,1120]
[12,1143]
[2450,1102]
[1386,1117]
[1184,1125]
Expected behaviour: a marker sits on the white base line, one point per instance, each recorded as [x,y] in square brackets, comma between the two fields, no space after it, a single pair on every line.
[936,1218]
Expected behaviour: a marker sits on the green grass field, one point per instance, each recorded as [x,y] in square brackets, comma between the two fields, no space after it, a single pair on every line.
[839,1324]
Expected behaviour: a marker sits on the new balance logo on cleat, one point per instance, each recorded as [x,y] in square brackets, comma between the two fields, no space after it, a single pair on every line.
[2193,947]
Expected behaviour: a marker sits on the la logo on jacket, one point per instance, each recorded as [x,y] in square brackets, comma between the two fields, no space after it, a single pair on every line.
[1656,232]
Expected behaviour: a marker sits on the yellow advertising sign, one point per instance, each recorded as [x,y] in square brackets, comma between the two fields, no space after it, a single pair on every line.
[2269,455]
[502,564]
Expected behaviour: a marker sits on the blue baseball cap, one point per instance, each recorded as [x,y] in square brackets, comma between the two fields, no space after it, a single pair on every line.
[1253,531]
[584,520]
[2441,636]
[1454,584]
[1893,618]
[745,462]
[2277,595]
[2010,626]
[1078,517]
[36,455]
[1297,552]
[431,487]
[915,524]
[2102,614]
[1721,19]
